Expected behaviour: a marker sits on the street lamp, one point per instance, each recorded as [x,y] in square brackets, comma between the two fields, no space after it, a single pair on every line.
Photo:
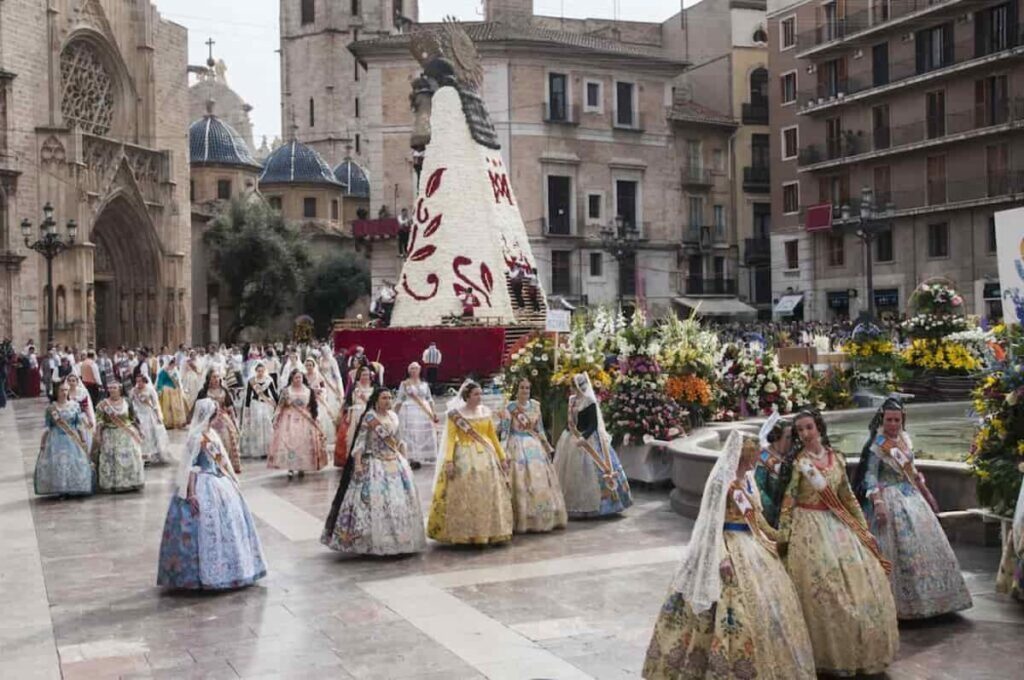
[49,245]
[620,240]
[874,219]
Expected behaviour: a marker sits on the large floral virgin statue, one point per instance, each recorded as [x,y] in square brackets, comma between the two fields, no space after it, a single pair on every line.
[467,233]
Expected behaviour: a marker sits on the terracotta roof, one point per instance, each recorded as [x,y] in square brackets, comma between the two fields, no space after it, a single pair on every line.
[692,112]
[496,31]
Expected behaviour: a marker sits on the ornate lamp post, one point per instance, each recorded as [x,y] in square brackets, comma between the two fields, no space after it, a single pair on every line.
[49,245]
[873,220]
[620,240]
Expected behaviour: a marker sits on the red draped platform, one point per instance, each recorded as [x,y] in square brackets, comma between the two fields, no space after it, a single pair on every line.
[476,350]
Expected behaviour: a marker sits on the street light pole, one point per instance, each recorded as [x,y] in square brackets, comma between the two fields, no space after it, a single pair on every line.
[872,221]
[620,241]
[49,245]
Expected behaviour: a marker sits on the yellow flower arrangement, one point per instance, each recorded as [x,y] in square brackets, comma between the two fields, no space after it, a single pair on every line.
[868,348]
[1020,448]
[689,389]
[940,355]
[598,376]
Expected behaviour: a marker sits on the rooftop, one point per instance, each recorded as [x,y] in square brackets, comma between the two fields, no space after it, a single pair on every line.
[212,141]
[296,163]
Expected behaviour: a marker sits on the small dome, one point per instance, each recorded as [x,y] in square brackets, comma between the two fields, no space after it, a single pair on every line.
[354,178]
[211,140]
[296,163]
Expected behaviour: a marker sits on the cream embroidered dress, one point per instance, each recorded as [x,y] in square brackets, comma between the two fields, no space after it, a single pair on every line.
[416,418]
[258,418]
[119,448]
[472,501]
[156,445]
[536,494]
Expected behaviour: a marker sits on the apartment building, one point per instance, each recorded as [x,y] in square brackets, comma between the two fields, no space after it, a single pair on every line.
[912,105]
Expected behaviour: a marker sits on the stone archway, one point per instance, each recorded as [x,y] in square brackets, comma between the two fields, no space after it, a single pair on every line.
[127,275]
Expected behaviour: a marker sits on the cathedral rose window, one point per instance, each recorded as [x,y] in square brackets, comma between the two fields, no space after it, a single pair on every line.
[87,88]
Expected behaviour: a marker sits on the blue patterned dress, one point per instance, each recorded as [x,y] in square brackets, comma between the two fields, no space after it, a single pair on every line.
[537,501]
[218,548]
[63,467]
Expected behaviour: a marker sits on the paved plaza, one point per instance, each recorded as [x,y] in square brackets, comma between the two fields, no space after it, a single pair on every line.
[77,581]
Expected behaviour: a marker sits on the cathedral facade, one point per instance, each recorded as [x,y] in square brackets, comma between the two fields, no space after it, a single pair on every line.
[93,114]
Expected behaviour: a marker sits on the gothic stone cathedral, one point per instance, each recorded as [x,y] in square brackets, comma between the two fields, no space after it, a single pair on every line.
[93,113]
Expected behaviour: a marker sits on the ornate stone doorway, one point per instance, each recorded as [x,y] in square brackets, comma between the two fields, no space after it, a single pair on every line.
[126,269]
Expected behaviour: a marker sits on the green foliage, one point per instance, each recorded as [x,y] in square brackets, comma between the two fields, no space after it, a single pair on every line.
[258,258]
[333,285]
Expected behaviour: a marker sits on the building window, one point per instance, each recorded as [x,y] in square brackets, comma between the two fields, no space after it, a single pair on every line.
[996,169]
[224,189]
[791,198]
[992,234]
[357,106]
[355,66]
[833,138]
[309,207]
[792,254]
[192,190]
[596,265]
[626,194]
[719,212]
[561,272]
[992,32]
[938,240]
[358,144]
[718,160]
[880,127]
[832,78]
[760,153]
[625,110]
[594,102]
[308,12]
[787,82]
[334,209]
[787,32]
[883,246]
[790,143]
[759,88]
[355,8]
[880,64]
[762,220]
[559,205]
[558,97]
[934,48]
[935,114]
[883,185]
[990,101]
[312,113]
[594,207]
[834,189]
[836,250]
[935,189]
[696,216]
[275,202]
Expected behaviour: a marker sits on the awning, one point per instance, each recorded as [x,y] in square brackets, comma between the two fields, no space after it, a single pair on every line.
[788,303]
[717,306]
[819,217]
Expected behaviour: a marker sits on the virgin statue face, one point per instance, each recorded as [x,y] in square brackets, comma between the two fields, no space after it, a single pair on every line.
[524,390]
[807,430]
[476,395]
[384,400]
[892,423]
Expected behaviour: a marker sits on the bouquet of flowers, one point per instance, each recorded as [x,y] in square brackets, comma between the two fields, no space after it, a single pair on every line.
[638,408]
[579,355]
[754,384]
[830,389]
[937,310]
[942,355]
[689,389]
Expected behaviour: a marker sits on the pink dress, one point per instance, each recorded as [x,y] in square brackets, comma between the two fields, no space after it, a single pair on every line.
[298,443]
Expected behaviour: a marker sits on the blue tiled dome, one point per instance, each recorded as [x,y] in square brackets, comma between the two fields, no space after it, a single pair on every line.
[211,140]
[296,163]
[354,178]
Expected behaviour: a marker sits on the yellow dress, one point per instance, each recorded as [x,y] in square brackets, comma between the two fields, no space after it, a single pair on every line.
[473,503]
[172,401]
[755,630]
[843,589]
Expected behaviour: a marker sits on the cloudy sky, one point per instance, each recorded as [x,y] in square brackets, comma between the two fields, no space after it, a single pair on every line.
[246,37]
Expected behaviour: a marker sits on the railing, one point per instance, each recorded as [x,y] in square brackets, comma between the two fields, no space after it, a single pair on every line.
[848,26]
[560,114]
[755,113]
[559,226]
[923,129]
[756,178]
[636,124]
[694,175]
[757,249]
[697,285]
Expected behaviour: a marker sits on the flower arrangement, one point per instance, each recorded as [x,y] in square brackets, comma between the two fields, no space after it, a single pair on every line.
[754,384]
[830,389]
[940,355]
[579,355]
[689,389]
[635,411]
[937,310]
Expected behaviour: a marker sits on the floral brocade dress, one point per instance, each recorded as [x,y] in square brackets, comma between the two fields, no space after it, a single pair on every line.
[63,467]
[217,548]
[379,512]
[472,502]
[224,425]
[298,443]
[416,418]
[537,500]
[118,448]
[926,579]
[258,418]
[592,479]
[756,628]
[843,588]
[156,444]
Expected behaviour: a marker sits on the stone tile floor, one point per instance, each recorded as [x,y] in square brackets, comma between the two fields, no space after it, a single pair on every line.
[77,581]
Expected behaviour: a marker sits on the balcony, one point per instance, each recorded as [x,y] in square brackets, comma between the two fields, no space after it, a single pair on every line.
[560,114]
[703,237]
[924,132]
[697,285]
[966,55]
[697,177]
[634,123]
[755,113]
[757,250]
[560,227]
[756,179]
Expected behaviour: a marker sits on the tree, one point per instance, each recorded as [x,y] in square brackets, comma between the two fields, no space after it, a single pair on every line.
[258,258]
[333,285]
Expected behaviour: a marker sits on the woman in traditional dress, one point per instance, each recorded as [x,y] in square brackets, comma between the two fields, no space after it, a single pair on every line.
[774,465]
[172,401]
[331,373]
[258,413]
[377,510]
[926,579]
[78,394]
[592,479]
[836,565]
[224,420]
[326,418]
[192,380]
[731,611]
[417,418]
[273,365]
[298,442]
[209,540]
[536,494]
[118,444]
[1010,577]
[156,445]
[292,363]
[355,405]
[63,467]
[472,501]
